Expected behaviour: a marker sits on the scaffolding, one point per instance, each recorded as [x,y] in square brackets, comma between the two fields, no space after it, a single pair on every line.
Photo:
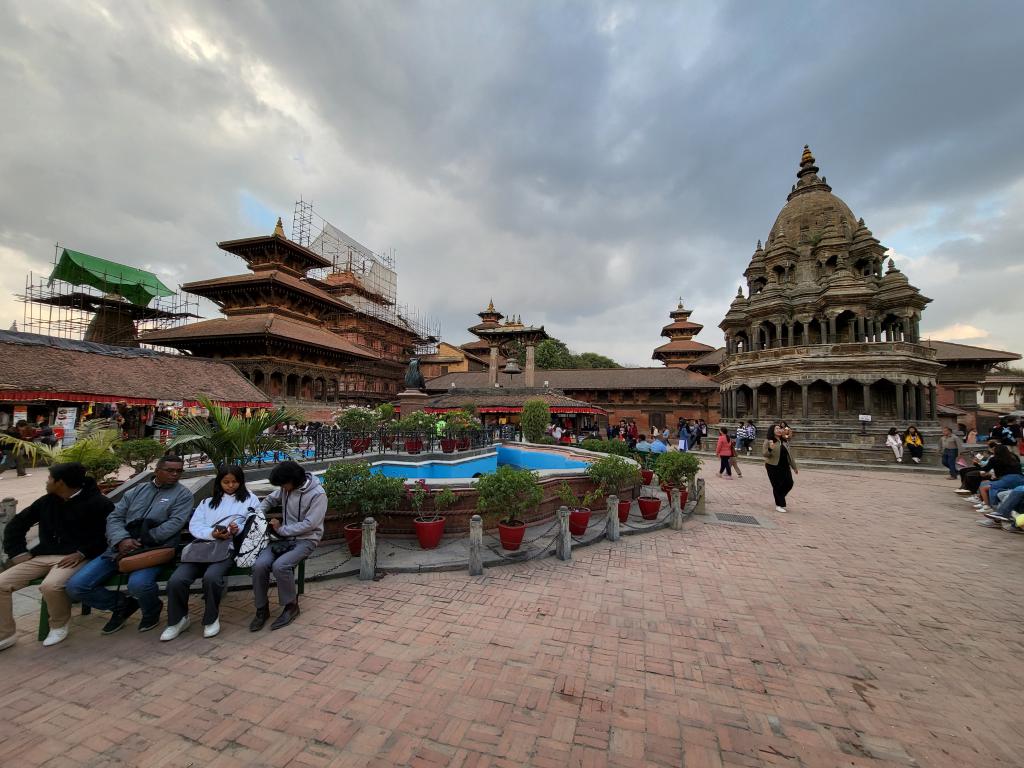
[57,308]
[368,280]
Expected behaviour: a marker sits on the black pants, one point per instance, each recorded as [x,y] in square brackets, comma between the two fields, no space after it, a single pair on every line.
[781,478]
[916,451]
[970,478]
[178,585]
[724,466]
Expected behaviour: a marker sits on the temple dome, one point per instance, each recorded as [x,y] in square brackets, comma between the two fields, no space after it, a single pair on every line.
[811,208]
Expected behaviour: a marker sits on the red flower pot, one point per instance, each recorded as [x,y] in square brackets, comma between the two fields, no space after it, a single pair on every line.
[413,445]
[447,445]
[666,488]
[624,507]
[462,444]
[354,538]
[683,496]
[511,535]
[360,444]
[647,475]
[649,507]
[429,530]
[389,440]
[578,521]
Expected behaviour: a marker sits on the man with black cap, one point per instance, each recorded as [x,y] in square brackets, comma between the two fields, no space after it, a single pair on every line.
[72,520]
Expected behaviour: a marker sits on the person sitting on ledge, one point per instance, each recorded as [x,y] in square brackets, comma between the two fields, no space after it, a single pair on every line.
[1005,472]
[303,503]
[642,446]
[71,519]
[915,446]
[658,445]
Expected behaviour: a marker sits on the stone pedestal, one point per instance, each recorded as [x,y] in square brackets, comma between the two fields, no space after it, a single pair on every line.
[411,400]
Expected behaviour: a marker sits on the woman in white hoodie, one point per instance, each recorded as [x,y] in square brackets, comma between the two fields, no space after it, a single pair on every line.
[218,518]
[895,442]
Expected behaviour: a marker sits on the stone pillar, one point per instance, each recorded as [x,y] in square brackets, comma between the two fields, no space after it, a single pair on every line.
[823,330]
[675,510]
[492,368]
[860,329]
[804,400]
[611,530]
[563,546]
[832,330]
[368,553]
[835,401]
[867,398]
[900,410]
[531,366]
[755,403]
[411,401]
[911,401]
[778,400]
[8,509]
[476,545]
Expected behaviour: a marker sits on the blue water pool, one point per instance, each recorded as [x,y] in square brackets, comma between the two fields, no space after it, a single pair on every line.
[453,468]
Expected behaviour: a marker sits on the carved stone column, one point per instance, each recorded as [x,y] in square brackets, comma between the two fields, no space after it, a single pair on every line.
[932,406]
[531,366]
[900,410]
[867,398]
[492,368]
[778,400]
[804,399]
[835,401]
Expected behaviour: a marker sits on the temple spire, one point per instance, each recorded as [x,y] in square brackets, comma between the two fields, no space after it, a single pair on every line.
[279,228]
[807,166]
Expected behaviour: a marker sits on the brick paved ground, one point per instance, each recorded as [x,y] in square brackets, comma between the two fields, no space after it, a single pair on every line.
[870,626]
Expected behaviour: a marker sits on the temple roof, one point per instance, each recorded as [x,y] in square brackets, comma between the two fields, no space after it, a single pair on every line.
[301,257]
[683,345]
[569,379]
[948,351]
[43,367]
[219,285]
[262,325]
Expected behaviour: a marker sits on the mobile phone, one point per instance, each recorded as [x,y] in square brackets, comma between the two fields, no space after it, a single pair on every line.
[220,528]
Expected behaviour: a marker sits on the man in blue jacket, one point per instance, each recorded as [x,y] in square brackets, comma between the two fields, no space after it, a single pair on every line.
[71,519]
[149,515]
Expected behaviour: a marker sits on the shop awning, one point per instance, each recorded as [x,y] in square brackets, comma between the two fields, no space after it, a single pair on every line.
[137,285]
[565,410]
[28,396]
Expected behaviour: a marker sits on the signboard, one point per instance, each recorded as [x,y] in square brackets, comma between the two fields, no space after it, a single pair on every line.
[65,423]
[20,413]
[865,417]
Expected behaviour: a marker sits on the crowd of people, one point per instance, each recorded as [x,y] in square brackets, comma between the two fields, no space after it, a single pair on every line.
[992,480]
[84,539]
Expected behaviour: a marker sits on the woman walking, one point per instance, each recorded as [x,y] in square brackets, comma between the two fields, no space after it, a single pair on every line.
[780,464]
[895,442]
[914,443]
[733,461]
[723,450]
[214,523]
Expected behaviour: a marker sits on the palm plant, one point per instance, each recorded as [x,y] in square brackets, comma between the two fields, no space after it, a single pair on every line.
[94,449]
[227,438]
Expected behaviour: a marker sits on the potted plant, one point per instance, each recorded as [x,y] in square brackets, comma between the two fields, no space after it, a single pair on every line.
[94,449]
[343,482]
[579,507]
[429,528]
[228,438]
[414,426]
[380,493]
[444,500]
[507,494]
[612,473]
[360,423]
[138,454]
[534,419]
[677,469]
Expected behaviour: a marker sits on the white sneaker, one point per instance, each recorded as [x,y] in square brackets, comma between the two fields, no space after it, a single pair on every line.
[917,461]
[962,491]
[7,642]
[984,509]
[974,498]
[57,635]
[212,630]
[899,461]
[780,509]
[173,630]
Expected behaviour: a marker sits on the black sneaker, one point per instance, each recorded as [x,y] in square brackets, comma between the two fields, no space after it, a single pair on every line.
[288,615]
[125,608]
[151,622]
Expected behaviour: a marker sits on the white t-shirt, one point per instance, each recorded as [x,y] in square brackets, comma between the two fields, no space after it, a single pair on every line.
[205,516]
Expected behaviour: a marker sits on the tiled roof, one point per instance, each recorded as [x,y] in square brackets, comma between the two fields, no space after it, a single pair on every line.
[948,351]
[301,254]
[682,325]
[711,359]
[496,398]
[568,380]
[264,324]
[684,345]
[43,364]
[210,287]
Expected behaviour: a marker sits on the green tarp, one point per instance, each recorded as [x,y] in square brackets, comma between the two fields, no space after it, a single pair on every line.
[136,285]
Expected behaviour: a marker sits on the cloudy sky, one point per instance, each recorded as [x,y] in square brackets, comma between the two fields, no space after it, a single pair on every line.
[584,163]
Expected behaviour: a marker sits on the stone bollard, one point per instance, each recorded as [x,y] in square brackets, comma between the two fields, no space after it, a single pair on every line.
[368,554]
[699,491]
[611,530]
[8,509]
[675,514]
[476,546]
[564,545]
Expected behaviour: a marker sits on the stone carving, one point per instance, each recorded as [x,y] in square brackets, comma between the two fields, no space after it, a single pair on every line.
[413,377]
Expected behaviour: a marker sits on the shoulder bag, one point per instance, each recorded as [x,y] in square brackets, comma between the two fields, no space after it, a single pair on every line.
[144,557]
[251,540]
[208,550]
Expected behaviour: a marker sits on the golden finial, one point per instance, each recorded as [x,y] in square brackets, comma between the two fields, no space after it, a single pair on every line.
[807,158]
[279,229]
[490,305]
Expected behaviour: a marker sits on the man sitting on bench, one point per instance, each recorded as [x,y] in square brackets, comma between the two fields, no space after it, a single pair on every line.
[150,515]
[71,519]
[303,503]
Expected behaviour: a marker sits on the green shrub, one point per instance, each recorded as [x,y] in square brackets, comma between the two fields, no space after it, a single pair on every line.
[677,468]
[612,473]
[418,421]
[380,493]
[445,499]
[508,494]
[138,454]
[535,419]
[343,483]
[614,447]
[356,418]
[568,496]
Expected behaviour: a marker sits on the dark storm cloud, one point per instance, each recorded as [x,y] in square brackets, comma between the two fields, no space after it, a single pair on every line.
[582,163]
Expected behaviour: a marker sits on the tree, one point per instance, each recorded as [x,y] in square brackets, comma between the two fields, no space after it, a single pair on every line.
[536,417]
[553,353]
[594,360]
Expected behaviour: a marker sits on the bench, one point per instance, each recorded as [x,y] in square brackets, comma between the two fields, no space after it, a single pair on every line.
[121,579]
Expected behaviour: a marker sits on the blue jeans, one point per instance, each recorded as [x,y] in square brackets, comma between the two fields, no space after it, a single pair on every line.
[949,461]
[1012,502]
[1004,483]
[86,586]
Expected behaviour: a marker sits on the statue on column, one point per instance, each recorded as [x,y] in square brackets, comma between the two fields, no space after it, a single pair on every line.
[413,377]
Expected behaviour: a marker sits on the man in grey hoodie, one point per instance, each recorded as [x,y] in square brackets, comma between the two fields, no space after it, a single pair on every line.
[303,503]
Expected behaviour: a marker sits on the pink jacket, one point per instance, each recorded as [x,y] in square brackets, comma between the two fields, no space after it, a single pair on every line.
[724,446]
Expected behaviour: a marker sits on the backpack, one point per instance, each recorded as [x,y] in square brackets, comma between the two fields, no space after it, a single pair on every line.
[251,540]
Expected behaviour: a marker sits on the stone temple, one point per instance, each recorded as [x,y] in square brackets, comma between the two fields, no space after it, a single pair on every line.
[827,333]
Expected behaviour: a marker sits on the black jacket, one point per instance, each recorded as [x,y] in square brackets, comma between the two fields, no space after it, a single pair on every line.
[75,525]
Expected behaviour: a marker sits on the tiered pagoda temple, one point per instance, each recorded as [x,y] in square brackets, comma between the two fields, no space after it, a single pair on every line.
[825,333]
[681,349]
[301,339]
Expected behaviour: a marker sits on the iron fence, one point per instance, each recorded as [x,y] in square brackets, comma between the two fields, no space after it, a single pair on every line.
[330,442]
